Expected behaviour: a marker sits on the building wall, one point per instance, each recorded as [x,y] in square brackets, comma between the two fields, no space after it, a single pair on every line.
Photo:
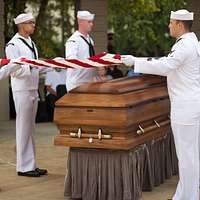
[194,6]
[4,91]
[99,33]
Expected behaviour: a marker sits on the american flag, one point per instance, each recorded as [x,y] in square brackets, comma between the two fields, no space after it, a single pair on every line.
[101,60]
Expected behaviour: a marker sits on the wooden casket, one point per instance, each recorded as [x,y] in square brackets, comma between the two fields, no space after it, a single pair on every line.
[118,114]
[119,137]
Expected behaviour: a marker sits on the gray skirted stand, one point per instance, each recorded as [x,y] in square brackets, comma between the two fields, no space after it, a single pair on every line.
[96,174]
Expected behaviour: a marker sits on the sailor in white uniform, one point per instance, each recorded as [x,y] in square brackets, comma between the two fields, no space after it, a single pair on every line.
[24,84]
[182,68]
[80,46]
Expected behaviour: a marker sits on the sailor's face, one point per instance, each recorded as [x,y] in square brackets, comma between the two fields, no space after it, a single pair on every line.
[173,27]
[87,24]
[29,27]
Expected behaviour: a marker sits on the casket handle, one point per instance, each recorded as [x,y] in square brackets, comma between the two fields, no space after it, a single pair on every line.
[78,134]
[103,136]
[99,135]
[157,124]
[142,130]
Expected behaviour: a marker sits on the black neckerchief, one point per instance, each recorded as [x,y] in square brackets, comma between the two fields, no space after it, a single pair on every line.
[178,40]
[91,47]
[31,48]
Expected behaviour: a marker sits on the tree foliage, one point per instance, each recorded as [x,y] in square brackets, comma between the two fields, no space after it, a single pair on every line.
[53,24]
[141,26]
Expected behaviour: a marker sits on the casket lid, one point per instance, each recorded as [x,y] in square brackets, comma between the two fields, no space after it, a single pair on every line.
[123,92]
[121,85]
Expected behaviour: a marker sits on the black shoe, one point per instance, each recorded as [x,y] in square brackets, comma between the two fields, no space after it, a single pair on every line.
[41,171]
[29,174]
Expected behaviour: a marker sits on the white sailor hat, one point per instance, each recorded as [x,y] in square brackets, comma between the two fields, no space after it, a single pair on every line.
[23,18]
[182,15]
[86,15]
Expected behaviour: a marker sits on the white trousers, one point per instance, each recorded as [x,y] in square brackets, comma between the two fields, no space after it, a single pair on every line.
[187,148]
[26,103]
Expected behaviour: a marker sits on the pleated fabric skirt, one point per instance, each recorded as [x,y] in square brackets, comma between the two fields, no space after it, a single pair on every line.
[96,174]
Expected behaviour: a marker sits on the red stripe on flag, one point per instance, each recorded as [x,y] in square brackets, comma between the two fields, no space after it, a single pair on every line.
[33,62]
[80,63]
[4,61]
[57,63]
[98,58]
[99,55]
[103,62]
[117,56]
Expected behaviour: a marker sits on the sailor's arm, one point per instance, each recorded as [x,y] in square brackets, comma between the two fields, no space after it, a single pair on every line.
[161,66]
[7,70]
[12,52]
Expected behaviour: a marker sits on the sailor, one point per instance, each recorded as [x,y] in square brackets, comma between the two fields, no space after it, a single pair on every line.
[182,68]
[80,46]
[24,83]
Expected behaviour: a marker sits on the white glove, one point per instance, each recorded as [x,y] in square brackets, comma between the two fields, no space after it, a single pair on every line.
[128,60]
[58,58]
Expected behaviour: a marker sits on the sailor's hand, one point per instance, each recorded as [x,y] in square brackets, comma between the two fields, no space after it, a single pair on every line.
[59,58]
[128,60]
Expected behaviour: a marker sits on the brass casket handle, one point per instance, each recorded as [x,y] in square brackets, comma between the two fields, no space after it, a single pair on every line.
[156,125]
[90,137]
[78,134]
[140,131]
[103,136]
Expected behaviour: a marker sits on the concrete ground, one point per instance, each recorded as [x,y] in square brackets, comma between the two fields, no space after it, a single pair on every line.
[53,158]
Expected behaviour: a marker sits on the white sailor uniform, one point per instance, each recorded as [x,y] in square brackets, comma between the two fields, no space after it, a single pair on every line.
[182,68]
[78,47]
[24,84]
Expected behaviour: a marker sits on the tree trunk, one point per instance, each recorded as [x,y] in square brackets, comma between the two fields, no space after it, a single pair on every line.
[41,16]
[62,12]
[77,7]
